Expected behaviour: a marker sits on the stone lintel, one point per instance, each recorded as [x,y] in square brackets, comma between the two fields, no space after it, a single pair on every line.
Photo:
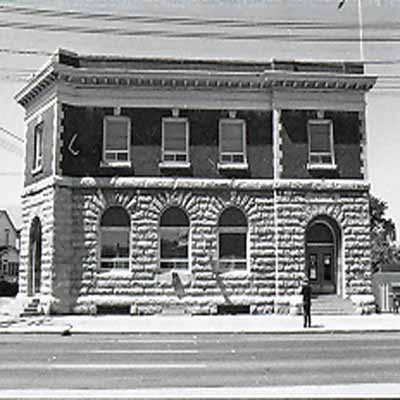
[167,183]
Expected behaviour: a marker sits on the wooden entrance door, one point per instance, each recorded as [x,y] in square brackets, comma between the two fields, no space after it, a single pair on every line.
[321,258]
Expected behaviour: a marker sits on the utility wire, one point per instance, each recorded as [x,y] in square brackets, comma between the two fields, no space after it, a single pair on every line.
[12,135]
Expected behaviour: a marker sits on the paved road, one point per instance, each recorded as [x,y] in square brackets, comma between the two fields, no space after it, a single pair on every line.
[208,360]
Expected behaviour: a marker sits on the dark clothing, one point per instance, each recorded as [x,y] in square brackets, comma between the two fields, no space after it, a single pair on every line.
[306,292]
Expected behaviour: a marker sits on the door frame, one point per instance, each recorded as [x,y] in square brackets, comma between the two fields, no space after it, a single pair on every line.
[334,229]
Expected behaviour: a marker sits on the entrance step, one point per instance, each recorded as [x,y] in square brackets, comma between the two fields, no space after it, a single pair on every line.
[331,305]
[174,309]
[32,309]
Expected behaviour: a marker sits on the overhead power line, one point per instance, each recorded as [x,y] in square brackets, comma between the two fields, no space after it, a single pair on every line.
[12,135]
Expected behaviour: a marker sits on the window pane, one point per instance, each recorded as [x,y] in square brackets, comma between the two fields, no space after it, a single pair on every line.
[114,243]
[320,138]
[232,217]
[38,145]
[232,246]
[231,137]
[175,136]
[116,134]
[115,216]
[174,216]
[174,243]
[319,233]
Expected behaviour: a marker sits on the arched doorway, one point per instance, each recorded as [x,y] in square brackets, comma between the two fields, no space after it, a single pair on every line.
[35,257]
[322,256]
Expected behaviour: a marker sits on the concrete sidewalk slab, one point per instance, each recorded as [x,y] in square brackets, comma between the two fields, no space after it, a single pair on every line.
[199,324]
[354,391]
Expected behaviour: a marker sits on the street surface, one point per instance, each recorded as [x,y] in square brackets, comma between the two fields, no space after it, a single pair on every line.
[137,361]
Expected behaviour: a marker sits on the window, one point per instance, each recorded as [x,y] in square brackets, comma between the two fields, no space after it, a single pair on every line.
[38,147]
[232,142]
[7,237]
[175,141]
[174,239]
[116,141]
[232,240]
[320,135]
[114,231]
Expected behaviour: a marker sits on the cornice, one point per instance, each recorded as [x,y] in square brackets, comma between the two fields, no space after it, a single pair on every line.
[92,78]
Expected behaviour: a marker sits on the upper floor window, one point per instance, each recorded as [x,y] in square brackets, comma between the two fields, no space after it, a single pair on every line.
[321,148]
[174,239]
[175,141]
[38,146]
[114,232]
[116,140]
[7,236]
[232,240]
[232,142]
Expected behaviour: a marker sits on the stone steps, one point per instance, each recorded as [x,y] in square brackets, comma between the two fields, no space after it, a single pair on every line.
[331,305]
[32,309]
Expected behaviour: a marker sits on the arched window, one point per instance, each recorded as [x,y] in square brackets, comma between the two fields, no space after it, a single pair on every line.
[174,238]
[232,240]
[114,229]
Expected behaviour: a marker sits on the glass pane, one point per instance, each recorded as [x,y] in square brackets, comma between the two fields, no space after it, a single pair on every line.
[174,243]
[116,134]
[114,243]
[319,233]
[231,137]
[232,217]
[327,267]
[312,267]
[320,138]
[115,216]
[175,136]
[174,216]
[232,246]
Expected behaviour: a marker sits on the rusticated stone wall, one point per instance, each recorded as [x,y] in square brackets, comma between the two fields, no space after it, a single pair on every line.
[148,288]
[38,203]
[70,217]
[296,208]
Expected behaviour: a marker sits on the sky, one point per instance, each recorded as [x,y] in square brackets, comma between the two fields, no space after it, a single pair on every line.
[262,30]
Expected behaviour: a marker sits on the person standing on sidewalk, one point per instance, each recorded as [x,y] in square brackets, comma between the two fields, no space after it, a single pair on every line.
[306,292]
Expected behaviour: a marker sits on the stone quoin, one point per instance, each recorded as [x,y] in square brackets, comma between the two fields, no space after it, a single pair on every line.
[208,185]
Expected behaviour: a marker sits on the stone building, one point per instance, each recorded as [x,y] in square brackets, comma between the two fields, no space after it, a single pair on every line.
[199,184]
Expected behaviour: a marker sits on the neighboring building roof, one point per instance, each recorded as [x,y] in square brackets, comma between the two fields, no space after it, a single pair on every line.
[4,212]
[90,70]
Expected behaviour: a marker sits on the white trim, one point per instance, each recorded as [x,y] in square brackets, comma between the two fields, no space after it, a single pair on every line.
[321,165]
[38,148]
[116,163]
[175,163]
[56,138]
[232,164]
[276,128]
[41,110]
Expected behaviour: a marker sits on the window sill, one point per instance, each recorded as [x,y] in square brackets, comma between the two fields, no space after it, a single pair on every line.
[174,165]
[37,170]
[324,167]
[234,166]
[116,164]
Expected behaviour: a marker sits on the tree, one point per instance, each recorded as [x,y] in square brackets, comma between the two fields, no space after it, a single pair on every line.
[383,236]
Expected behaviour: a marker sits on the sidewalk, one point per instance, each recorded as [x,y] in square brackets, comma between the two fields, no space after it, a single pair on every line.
[199,324]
